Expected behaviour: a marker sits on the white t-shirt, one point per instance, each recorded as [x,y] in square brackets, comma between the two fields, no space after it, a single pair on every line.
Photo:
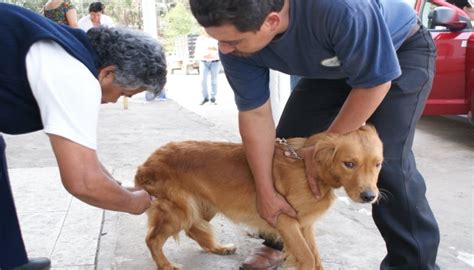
[207,49]
[85,22]
[67,93]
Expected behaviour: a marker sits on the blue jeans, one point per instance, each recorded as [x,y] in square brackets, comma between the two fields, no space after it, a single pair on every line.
[404,219]
[12,249]
[211,67]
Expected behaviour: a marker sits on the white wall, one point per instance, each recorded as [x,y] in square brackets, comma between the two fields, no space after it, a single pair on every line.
[149,17]
[279,92]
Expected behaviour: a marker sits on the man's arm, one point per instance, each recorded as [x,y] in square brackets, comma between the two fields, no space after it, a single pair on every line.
[84,176]
[258,136]
[358,107]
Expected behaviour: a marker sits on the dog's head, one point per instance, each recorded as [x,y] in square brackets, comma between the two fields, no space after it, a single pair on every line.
[351,160]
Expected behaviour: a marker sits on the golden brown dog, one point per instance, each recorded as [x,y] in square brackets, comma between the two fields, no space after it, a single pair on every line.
[194,180]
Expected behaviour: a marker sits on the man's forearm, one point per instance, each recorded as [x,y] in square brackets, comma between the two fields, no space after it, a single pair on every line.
[358,107]
[258,135]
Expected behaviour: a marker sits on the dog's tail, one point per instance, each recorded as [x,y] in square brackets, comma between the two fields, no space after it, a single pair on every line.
[145,178]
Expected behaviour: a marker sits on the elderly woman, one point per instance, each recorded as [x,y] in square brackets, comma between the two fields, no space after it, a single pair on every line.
[54,78]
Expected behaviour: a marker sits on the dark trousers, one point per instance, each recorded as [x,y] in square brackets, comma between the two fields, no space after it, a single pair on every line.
[12,249]
[404,218]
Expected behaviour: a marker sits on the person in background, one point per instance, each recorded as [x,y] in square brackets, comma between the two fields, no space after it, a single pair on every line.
[61,11]
[360,61]
[209,64]
[96,17]
[54,78]
[466,5]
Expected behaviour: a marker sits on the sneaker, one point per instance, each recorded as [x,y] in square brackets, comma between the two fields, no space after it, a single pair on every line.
[213,101]
[204,101]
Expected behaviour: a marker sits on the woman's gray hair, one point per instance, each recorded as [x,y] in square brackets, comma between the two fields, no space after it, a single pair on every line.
[138,58]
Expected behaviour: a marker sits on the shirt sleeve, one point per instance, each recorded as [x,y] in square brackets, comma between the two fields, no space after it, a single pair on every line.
[108,21]
[248,80]
[68,5]
[362,43]
[84,23]
[67,93]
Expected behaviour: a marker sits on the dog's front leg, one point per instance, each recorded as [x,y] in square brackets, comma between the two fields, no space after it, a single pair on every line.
[294,242]
[308,234]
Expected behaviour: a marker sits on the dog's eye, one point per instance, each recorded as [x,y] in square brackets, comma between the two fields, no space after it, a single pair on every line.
[378,165]
[348,164]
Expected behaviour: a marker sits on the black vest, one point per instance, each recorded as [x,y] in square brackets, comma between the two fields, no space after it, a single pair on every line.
[19,29]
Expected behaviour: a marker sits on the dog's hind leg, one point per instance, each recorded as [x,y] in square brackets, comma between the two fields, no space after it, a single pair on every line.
[294,242]
[308,234]
[202,232]
[161,225]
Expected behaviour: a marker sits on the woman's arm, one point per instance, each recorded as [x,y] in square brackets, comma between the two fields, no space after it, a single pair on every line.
[71,16]
[84,177]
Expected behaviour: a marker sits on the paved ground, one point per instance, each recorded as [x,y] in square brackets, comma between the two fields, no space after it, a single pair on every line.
[77,236]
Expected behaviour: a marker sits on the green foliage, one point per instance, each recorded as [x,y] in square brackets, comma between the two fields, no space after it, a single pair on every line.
[178,21]
[124,12]
[174,17]
[35,5]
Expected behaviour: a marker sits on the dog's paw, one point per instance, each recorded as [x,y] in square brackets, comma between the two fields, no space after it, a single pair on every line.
[230,249]
[289,262]
[170,266]
[225,249]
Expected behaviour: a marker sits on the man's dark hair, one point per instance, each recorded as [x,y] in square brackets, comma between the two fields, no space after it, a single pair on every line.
[245,15]
[96,7]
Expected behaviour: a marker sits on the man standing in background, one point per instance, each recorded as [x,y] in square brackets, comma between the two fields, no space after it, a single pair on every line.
[208,54]
[96,17]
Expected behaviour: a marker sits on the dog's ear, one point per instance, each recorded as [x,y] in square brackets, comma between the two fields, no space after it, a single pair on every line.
[323,156]
[324,151]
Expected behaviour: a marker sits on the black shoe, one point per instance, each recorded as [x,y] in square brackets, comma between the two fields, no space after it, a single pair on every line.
[204,101]
[213,101]
[35,264]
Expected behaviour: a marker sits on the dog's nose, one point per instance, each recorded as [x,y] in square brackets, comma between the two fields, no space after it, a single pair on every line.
[367,196]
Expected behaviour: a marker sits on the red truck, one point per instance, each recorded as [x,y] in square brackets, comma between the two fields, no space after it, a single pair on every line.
[453,85]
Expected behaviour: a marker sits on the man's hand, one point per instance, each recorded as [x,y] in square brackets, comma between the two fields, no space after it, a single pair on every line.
[311,171]
[141,200]
[270,206]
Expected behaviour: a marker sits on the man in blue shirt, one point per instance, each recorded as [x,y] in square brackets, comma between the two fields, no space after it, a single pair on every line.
[360,61]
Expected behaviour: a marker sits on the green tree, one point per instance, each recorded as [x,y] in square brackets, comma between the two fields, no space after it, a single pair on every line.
[35,5]
[178,21]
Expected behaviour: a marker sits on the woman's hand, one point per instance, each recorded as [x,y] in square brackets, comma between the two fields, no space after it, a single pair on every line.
[141,200]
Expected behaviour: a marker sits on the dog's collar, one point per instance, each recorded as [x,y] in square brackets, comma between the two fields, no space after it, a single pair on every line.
[289,148]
